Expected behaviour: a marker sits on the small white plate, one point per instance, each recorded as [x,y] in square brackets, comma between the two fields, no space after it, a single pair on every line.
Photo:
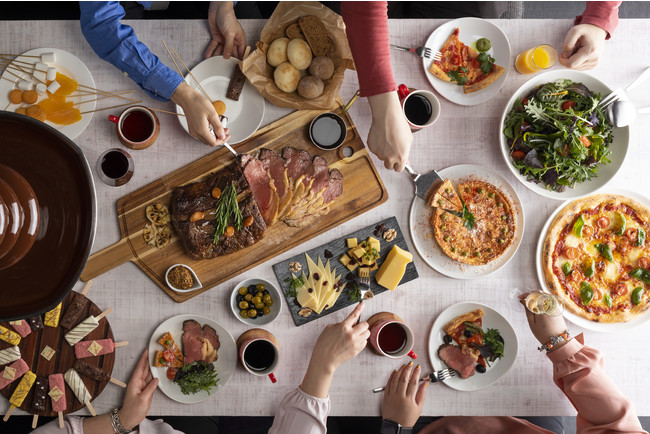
[67,64]
[276,307]
[425,242]
[577,320]
[244,116]
[471,29]
[618,146]
[197,282]
[491,319]
[225,364]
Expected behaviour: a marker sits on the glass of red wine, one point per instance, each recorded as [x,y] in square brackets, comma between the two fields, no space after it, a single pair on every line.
[115,167]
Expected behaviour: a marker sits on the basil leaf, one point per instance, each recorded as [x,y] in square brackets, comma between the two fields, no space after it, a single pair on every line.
[637,295]
[640,240]
[469,218]
[457,77]
[608,300]
[578,225]
[586,293]
[606,251]
[642,274]
[486,62]
[620,223]
[590,268]
[566,268]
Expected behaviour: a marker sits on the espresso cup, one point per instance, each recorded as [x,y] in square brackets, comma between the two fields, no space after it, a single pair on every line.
[115,167]
[421,108]
[137,127]
[390,336]
[259,352]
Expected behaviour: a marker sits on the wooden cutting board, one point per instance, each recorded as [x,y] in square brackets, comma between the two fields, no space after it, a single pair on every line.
[362,191]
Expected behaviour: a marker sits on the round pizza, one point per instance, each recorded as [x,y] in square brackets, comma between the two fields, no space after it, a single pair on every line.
[596,258]
[483,229]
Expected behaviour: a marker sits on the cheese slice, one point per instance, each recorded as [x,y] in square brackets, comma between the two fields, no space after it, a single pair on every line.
[392,270]
[304,297]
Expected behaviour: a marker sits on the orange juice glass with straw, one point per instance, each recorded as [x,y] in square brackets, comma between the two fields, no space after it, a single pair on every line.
[536,59]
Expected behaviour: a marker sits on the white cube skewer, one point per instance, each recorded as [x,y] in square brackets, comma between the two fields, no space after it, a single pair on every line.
[25,85]
[48,57]
[51,73]
[39,76]
[41,88]
[40,66]
[53,87]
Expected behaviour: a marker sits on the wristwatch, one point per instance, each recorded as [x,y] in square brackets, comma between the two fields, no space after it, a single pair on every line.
[390,427]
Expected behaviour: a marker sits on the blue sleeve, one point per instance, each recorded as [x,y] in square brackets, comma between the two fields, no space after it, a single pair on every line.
[117,44]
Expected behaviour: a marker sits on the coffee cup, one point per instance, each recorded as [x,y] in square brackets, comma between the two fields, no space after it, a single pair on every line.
[390,336]
[259,352]
[421,108]
[115,167]
[137,127]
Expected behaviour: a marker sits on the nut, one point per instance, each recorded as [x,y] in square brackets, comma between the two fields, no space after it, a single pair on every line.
[295,267]
[368,295]
[216,192]
[305,312]
[390,235]
[198,215]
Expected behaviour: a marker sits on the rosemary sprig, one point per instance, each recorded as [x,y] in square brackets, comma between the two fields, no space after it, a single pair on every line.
[227,208]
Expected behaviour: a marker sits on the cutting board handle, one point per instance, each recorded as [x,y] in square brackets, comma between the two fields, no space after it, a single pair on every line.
[107,259]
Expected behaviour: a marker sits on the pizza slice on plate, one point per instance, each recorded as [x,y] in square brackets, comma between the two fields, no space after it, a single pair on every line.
[461,64]
[466,330]
[171,357]
[446,198]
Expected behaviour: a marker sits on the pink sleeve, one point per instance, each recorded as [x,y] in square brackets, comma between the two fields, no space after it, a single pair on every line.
[367,29]
[71,425]
[301,412]
[601,14]
[578,372]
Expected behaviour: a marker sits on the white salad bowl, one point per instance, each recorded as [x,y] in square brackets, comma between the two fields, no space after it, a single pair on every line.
[618,146]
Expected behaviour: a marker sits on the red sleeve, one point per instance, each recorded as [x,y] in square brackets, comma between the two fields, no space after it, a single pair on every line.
[367,29]
[601,14]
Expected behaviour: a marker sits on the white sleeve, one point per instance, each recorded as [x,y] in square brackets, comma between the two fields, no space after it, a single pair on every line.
[300,412]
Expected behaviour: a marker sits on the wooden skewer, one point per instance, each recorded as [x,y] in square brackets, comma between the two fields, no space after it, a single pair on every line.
[103,314]
[19,55]
[121,344]
[90,408]
[192,75]
[118,382]
[102,92]
[172,57]
[35,421]
[61,425]
[87,287]
[8,414]
[165,111]
[112,107]
[96,99]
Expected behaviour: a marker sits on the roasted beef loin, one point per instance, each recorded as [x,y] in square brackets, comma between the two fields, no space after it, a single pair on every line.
[199,343]
[458,360]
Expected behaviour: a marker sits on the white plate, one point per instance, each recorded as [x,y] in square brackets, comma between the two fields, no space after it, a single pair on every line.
[618,146]
[491,319]
[577,320]
[225,364]
[471,29]
[244,116]
[67,64]
[422,232]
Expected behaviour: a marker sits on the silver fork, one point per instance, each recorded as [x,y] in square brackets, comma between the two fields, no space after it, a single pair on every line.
[421,51]
[620,93]
[433,377]
[364,287]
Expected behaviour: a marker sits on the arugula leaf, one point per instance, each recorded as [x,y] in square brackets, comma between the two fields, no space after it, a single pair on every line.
[196,376]
[486,62]
[469,218]
[294,284]
[493,338]
[353,293]
[457,77]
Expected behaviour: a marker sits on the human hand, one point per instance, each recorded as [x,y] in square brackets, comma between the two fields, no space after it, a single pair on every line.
[200,115]
[544,326]
[228,36]
[341,342]
[390,136]
[139,394]
[403,396]
[583,46]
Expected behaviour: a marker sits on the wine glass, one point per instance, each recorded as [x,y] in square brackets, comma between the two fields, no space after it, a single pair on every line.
[539,302]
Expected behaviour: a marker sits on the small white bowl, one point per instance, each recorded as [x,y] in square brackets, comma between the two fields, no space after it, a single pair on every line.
[197,282]
[276,307]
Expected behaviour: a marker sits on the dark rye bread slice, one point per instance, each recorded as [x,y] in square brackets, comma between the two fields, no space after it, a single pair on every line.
[315,34]
[293,32]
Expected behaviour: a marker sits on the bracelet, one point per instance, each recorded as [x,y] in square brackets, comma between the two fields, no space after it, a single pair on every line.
[117,425]
[554,340]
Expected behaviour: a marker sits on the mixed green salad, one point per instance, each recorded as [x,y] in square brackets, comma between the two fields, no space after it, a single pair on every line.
[558,135]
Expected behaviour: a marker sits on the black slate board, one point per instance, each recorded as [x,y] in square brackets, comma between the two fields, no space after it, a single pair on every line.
[338,247]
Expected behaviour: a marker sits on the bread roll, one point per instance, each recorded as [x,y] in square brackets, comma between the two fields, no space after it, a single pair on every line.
[322,67]
[286,77]
[277,52]
[310,87]
[299,54]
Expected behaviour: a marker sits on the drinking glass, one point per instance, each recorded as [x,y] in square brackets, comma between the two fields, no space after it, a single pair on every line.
[536,59]
[540,302]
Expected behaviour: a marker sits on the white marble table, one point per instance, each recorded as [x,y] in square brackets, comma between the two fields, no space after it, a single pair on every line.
[461,135]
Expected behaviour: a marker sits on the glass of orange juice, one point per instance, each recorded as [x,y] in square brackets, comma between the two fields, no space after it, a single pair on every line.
[536,59]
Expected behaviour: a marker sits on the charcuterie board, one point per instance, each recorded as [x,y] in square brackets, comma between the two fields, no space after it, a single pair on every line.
[363,190]
[32,345]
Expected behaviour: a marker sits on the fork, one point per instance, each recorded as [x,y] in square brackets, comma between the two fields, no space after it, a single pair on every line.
[364,285]
[619,93]
[433,377]
[421,51]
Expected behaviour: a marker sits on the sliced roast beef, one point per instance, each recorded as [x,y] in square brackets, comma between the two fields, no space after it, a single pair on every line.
[275,166]
[298,164]
[199,343]
[259,182]
[461,362]
[334,186]
[211,335]
[321,174]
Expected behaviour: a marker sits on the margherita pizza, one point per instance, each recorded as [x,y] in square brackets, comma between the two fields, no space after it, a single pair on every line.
[485,229]
[596,258]
[461,64]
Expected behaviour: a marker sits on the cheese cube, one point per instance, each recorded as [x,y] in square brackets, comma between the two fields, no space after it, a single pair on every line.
[357,253]
[345,259]
[366,260]
[352,267]
[352,242]
[374,243]
[392,270]
[374,266]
